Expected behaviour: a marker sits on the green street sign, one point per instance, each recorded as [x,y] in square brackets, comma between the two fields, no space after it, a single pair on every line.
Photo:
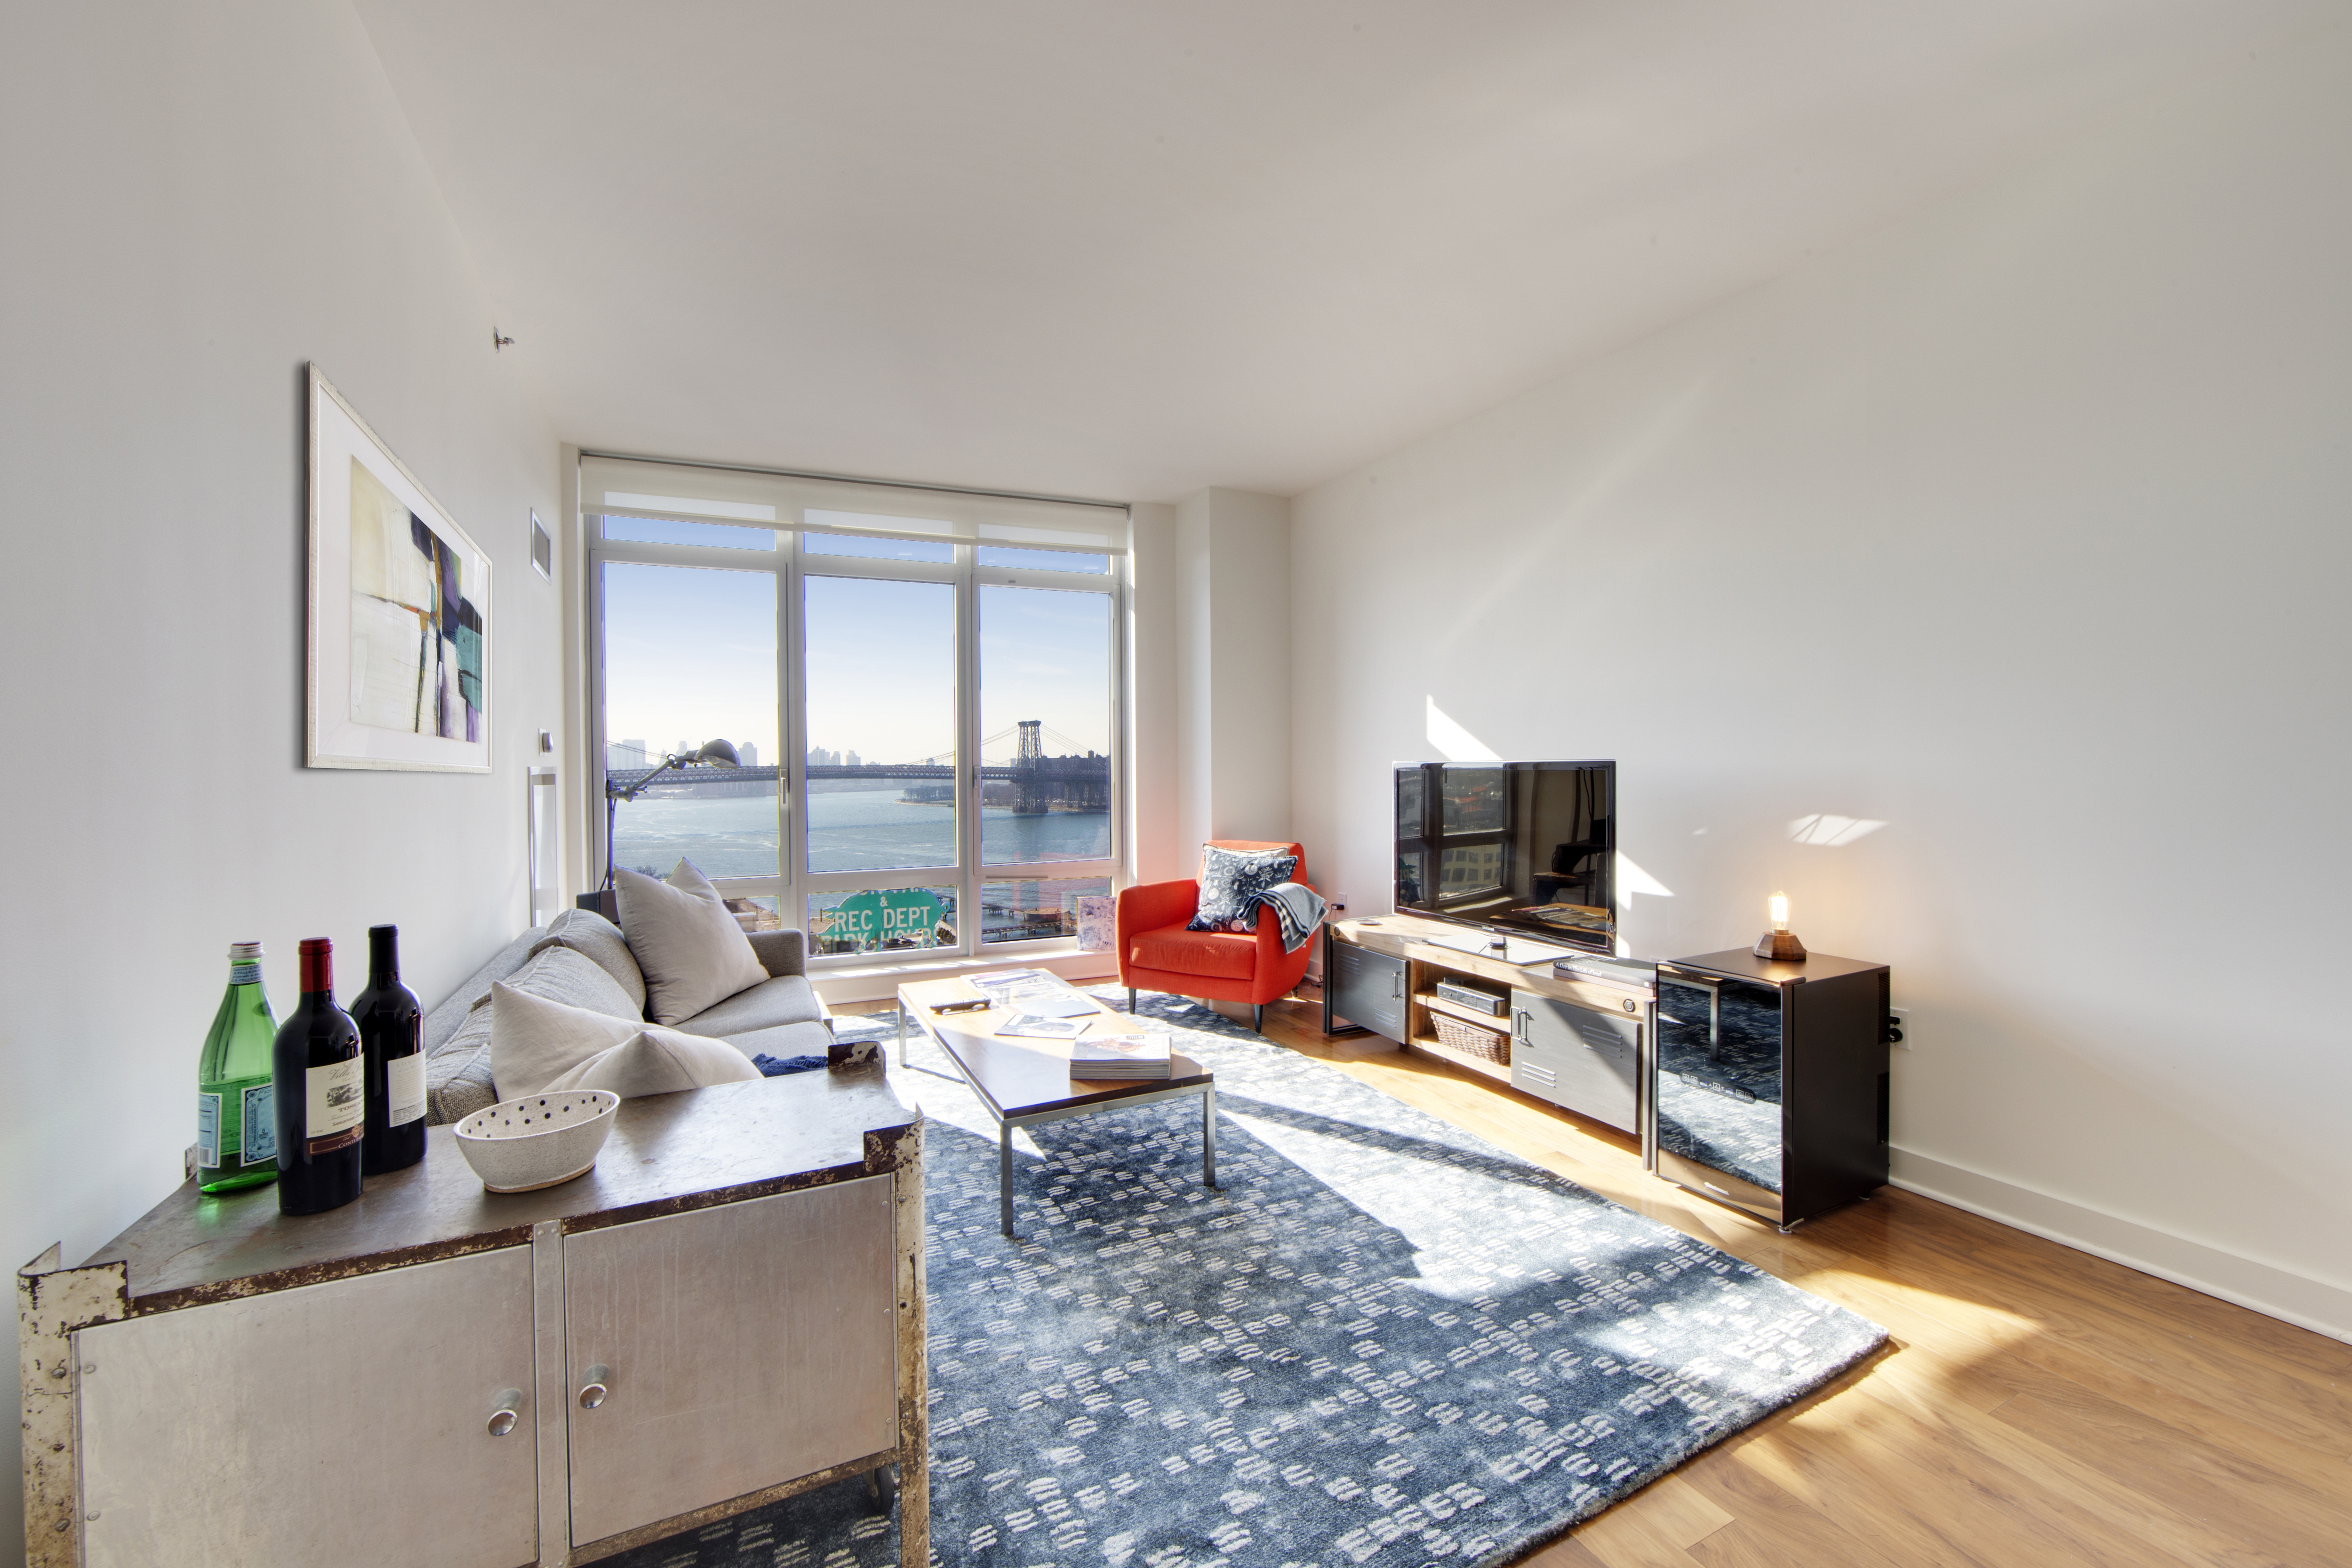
[903,916]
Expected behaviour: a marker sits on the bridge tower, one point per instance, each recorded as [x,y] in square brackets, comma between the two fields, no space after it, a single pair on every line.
[1029,791]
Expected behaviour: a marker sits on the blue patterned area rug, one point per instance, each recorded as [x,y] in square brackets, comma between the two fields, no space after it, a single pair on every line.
[1380,1341]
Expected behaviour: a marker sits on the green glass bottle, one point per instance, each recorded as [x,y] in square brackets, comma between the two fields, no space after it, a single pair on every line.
[236,1119]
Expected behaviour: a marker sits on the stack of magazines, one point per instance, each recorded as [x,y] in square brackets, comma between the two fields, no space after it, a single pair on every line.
[1120,1056]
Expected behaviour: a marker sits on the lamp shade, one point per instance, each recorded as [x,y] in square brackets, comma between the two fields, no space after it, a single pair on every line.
[720,752]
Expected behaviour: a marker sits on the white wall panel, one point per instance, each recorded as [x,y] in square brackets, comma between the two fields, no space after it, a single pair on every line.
[2018,528]
[203,197]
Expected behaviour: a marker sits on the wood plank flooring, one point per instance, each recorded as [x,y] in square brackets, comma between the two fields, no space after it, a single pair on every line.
[2038,1404]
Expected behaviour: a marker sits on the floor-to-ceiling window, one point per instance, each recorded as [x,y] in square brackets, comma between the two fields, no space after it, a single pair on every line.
[920,688]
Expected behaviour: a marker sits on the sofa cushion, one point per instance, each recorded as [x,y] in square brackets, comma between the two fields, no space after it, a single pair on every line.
[787,999]
[1214,955]
[592,936]
[560,974]
[538,1046]
[442,1023]
[457,1079]
[1232,881]
[691,948]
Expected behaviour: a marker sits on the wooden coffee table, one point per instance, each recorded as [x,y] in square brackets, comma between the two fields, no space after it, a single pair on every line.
[1026,1083]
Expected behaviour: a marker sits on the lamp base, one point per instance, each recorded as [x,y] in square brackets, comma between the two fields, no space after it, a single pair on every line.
[1780,946]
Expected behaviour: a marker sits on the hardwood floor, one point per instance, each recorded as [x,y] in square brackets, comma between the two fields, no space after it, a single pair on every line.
[2037,1406]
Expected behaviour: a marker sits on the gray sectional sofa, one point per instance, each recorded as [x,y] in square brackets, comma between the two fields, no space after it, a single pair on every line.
[583,960]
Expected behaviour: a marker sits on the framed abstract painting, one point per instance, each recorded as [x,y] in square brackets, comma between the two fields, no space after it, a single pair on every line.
[400,610]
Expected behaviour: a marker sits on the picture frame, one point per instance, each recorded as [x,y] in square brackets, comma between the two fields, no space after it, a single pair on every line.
[543,548]
[400,620]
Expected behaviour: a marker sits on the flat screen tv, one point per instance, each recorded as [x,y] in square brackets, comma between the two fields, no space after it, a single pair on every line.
[1517,848]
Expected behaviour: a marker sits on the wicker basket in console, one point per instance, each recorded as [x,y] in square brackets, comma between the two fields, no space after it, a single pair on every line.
[1459,1034]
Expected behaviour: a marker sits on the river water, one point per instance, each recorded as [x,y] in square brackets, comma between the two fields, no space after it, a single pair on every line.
[849,830]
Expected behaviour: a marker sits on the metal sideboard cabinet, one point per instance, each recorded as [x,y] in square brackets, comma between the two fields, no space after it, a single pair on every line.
[1432,987]
[1770,1081]
[728,1310]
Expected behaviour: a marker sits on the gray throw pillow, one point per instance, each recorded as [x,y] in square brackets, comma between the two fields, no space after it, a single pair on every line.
[1231,881]
[538,1046]
[692,951]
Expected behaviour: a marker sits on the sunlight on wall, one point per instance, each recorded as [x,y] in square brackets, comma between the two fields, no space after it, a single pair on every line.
[1633,879]
[1454,742]
[1831,832]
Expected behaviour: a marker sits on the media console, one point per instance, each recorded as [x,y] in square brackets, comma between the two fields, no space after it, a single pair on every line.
[1757,1084]
[1580,1047]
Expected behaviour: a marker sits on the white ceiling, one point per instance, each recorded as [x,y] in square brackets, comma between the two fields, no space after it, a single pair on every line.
[1126,249]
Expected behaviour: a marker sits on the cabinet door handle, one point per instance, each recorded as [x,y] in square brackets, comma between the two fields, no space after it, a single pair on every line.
[592,1391]
[1396,985]
[508,1411]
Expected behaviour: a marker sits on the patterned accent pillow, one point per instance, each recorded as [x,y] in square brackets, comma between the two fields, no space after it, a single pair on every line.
[1231,881]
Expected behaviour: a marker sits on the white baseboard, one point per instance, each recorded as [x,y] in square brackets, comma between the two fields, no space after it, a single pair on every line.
[2313,1304]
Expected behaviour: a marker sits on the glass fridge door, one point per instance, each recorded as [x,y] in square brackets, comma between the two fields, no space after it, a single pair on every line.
[1719,1076]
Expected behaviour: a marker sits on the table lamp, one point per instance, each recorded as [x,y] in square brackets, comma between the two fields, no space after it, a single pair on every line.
[1779,943]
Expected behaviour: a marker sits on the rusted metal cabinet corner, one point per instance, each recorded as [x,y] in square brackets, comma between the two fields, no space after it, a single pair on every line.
[727,1311]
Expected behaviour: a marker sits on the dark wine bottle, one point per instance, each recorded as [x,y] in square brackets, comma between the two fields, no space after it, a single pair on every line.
[320,1085]
[392,1040]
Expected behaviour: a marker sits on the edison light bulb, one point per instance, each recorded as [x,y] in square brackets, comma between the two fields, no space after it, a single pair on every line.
[1779,912]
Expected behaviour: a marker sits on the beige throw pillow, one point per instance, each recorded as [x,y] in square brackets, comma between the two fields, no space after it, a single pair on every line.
[692,952]
[538,1046]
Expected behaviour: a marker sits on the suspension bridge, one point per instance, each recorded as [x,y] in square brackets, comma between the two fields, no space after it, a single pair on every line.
[1029,782]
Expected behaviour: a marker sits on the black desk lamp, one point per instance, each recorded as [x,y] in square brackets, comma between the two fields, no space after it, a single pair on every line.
[717,754]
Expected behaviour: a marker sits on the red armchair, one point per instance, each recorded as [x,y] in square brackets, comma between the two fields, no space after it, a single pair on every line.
[1157,953]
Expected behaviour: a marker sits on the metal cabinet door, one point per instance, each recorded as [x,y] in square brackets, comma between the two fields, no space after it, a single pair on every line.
[1368,988]
[1593,1058]
[745,1345]
[344,1423]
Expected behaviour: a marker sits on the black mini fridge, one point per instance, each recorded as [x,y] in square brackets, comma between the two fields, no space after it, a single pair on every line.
[1770,1081]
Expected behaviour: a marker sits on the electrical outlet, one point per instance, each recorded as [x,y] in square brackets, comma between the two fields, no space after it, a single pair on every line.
[1338,903]
[1898,1028]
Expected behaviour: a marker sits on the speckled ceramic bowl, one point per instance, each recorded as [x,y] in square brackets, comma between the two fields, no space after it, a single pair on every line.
[522,1145]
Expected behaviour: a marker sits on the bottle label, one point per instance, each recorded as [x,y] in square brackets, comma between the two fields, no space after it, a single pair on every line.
[208,1130]
[404,1089]
[260,1124]
[245,974]
[337,1102]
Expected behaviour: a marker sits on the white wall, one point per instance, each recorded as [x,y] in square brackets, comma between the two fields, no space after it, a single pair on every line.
[1154,652]
[201,197]
[2020,528]
[1233,686]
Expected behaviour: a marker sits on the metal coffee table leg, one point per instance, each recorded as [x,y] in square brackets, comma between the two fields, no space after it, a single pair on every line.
[1004,1173]
[1209,1136]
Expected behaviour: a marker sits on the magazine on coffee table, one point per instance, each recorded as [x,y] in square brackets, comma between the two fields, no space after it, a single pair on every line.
[1034,992]
[1121,1056]
[1005,980]
[1030,1026]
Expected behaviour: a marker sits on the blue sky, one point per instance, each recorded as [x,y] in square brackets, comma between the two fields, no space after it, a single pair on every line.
[691,655]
